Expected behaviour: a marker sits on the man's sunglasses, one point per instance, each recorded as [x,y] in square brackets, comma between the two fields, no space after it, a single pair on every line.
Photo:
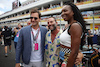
[34,18]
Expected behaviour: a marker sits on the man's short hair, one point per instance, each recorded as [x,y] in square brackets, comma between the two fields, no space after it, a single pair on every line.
[53,18]
[35,11]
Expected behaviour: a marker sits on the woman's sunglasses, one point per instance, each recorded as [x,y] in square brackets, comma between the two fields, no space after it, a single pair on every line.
[34,18]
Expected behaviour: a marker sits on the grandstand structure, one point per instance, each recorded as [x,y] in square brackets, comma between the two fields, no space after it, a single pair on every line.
[90,10]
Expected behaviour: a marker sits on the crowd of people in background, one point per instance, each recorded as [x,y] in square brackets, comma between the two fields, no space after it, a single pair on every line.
[53,6]
[30,2]
[7,34]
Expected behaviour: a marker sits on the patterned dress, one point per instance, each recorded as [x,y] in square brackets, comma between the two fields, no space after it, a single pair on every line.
[52,50]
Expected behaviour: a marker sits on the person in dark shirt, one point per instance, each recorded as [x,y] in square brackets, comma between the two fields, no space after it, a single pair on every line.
[0,35]
[7,39]
[98,38]
[89,38]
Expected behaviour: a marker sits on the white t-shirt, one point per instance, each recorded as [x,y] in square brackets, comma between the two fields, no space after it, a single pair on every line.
[99,32]
[36,56]
[3,29]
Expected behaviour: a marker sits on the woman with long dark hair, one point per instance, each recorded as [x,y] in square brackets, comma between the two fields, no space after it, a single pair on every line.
[72,37]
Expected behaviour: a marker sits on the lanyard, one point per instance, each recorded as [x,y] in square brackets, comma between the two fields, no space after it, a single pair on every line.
[35,37]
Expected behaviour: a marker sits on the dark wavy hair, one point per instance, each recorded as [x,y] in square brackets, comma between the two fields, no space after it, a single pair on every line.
[78,17]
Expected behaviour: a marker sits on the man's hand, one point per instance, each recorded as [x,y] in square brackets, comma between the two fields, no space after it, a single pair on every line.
[17,65]
[79,58]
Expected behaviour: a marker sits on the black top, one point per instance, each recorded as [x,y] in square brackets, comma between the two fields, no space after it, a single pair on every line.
[7,34]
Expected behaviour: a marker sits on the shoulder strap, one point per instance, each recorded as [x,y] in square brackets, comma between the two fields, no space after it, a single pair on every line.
[80,25]
[82,29]
[69,29]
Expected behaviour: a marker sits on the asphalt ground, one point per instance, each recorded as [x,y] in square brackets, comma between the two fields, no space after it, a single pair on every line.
[7,61]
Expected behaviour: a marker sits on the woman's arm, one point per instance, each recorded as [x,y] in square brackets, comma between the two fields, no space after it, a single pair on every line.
[75,32]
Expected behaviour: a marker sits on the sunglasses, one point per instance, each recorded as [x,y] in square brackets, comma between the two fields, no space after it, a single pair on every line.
[34,18]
